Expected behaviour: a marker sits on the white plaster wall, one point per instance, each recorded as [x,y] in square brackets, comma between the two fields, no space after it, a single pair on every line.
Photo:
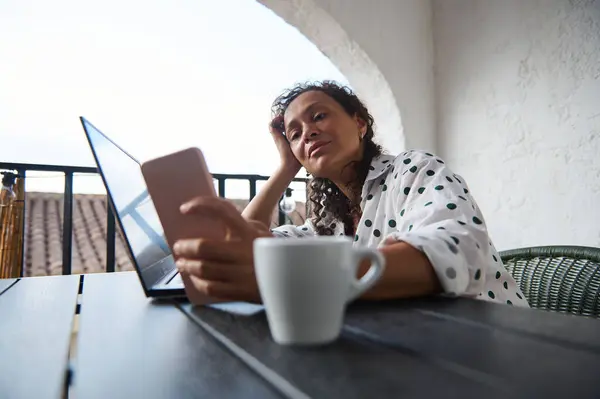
[397,35]
[518,107]
[379,46]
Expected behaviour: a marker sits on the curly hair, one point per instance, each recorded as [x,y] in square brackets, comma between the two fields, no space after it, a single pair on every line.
[324,196]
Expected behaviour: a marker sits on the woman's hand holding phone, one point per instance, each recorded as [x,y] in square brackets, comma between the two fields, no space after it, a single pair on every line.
[220,268]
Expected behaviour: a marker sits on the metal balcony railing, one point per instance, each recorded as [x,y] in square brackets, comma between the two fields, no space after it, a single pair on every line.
[21,170]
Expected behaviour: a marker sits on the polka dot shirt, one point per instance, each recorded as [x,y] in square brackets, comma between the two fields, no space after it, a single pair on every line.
[415,198]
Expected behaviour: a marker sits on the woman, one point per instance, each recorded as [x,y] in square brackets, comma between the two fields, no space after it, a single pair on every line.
[411,207]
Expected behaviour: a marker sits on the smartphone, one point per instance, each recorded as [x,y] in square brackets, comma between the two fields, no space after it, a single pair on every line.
[175,179]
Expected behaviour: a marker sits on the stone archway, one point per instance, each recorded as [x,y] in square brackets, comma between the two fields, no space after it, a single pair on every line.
[362,73]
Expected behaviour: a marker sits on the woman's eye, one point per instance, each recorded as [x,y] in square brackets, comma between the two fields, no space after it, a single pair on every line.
[319,116]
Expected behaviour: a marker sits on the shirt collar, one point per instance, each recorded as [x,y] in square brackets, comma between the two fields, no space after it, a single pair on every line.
[379,165]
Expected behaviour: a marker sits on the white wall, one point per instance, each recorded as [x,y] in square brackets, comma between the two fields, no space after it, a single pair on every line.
[396,34]
[387,40]
[518,107]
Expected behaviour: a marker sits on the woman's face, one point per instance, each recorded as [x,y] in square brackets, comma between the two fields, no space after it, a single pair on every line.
[322,136]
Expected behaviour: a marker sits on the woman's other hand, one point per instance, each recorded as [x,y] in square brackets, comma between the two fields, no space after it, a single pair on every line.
[220,269]
[288,161]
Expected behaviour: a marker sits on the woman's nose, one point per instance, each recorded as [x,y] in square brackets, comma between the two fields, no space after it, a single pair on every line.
[310,134]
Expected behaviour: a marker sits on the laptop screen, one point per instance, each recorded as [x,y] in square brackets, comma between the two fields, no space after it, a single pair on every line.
[137,216]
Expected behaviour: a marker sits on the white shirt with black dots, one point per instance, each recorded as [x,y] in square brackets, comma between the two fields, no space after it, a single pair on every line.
[415,198]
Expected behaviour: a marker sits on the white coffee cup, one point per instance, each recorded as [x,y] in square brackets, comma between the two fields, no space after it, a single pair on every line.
[305,284]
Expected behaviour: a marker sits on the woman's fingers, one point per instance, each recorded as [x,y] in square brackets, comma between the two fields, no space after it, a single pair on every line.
[276,126]
[214,271]
[220,290]
[221,209]
[218,251]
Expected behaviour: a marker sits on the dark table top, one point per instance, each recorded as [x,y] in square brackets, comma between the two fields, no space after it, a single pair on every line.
[36,320]
[131,346]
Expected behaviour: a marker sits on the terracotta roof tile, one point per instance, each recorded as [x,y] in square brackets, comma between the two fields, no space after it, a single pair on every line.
[43,234]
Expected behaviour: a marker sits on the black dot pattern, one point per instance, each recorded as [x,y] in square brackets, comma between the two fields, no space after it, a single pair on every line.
[451,273]
[422,192]
[452,248]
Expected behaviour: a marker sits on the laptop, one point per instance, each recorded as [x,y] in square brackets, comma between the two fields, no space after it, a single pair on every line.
[135,213]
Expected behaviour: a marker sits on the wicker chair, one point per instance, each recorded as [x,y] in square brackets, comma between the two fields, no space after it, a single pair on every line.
[559,278]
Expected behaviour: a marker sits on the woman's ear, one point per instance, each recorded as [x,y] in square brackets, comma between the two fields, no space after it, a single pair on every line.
[361,124]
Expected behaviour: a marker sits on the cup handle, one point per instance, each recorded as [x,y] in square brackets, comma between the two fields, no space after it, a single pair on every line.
[357,287]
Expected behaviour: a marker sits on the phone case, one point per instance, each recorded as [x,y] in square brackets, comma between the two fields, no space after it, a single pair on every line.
[175,179]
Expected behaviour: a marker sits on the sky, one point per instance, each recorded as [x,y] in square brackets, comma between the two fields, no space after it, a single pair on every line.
[155,76]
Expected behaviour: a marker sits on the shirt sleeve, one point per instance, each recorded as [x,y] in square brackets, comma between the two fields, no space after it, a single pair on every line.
[289,230]
[439,217]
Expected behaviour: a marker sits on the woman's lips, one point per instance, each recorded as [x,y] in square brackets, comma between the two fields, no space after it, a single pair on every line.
[317,147]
